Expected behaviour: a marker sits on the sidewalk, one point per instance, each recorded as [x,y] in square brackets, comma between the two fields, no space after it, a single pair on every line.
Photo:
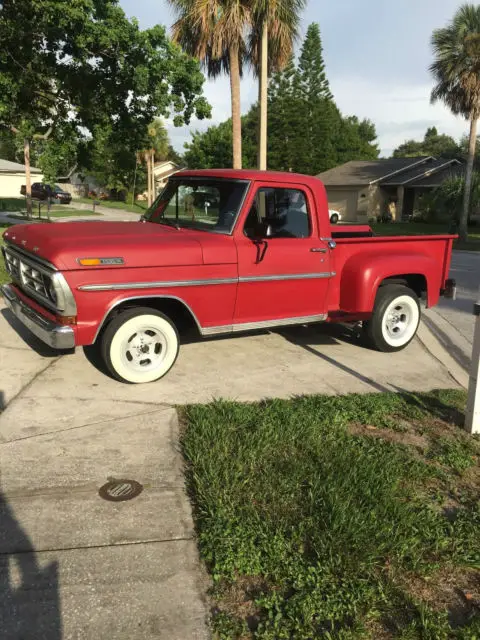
[73,565]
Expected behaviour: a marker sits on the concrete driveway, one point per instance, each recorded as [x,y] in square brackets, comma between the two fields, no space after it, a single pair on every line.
[73,565]
[452,321]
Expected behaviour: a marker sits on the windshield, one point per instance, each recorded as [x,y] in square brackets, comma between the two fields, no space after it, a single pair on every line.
[57,189]
[202,204]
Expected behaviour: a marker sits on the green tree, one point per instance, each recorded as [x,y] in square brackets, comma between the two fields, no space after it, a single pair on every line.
[275,28]
[285,138]
[319,118]
[456,71]
[433,144]
[84,62]
[307,132]
[214,32]
[212,149]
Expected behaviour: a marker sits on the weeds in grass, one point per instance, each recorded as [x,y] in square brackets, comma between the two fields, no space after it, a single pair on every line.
[327,518]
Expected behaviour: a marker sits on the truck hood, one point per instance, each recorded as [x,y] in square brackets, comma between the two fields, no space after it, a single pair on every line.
[139,244]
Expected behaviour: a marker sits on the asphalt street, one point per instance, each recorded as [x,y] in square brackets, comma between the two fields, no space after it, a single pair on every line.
[459,313]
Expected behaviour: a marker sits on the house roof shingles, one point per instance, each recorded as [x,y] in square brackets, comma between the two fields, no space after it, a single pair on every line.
[391,172]
[410,176]
[14,167]
[364,172]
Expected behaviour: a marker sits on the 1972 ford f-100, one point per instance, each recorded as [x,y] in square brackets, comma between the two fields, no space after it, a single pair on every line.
[225,251]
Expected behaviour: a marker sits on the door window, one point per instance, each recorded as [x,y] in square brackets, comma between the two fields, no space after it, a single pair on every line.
[278,213]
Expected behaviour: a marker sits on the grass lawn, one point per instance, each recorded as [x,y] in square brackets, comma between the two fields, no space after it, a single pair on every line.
[338,517]
[139,207]
[418,228]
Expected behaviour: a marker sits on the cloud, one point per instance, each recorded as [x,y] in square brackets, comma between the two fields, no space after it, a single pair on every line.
[399,112]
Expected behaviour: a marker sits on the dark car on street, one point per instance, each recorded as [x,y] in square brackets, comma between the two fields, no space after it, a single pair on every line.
[41,191]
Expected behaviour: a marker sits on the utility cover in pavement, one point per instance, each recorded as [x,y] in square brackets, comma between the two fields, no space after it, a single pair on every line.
[120,490]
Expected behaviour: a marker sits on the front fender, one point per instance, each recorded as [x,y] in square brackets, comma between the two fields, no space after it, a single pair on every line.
[363,273]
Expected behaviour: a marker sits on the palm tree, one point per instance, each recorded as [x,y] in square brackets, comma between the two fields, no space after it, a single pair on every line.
[275,27]
[457,74]
[213,31]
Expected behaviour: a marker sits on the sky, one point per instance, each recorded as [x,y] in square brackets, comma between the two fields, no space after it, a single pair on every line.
[376,52]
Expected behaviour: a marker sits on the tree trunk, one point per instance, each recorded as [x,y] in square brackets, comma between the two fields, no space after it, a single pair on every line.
[152,160]
[149,178]
[263,100]
[28,179]
[463,227]
[234,54]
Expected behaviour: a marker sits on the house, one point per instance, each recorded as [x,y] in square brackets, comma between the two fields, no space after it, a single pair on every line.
[12,177]
[162,171]
[363,189]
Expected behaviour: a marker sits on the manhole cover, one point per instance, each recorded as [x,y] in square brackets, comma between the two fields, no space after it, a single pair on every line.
[120,490]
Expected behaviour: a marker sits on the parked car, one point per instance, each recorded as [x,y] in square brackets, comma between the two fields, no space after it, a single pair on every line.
[42,191]
[335,216]
[270,257]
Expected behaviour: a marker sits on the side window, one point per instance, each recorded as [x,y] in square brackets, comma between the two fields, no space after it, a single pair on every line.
[282,213]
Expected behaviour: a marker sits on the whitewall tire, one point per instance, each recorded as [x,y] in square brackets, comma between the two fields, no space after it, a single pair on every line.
[395,318]
[140,345]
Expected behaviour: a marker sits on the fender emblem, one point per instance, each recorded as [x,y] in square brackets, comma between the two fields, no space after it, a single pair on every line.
[24,242]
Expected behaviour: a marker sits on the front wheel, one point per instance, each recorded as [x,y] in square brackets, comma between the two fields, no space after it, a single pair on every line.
[140,345]
[395,318]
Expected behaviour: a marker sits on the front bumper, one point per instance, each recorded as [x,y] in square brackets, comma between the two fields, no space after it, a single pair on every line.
[55,335]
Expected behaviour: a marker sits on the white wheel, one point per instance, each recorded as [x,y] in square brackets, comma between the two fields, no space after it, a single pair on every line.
[395,318]
[400,321]
[140,345]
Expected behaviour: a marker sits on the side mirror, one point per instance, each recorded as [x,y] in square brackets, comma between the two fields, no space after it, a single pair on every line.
[261,231]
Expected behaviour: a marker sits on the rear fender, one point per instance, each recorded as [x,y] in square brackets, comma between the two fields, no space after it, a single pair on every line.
[362,275]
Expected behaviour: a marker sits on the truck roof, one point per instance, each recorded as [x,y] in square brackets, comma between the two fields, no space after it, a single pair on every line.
[250,174]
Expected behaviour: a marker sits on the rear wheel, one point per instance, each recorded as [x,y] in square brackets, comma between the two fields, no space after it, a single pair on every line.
[395,318]
[140,345]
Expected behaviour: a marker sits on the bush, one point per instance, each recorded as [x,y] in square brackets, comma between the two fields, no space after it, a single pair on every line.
[444,204]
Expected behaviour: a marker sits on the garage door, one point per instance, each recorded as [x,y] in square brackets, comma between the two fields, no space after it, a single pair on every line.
[345,202]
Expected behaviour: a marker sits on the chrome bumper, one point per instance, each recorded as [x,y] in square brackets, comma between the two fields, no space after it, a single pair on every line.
[55,335]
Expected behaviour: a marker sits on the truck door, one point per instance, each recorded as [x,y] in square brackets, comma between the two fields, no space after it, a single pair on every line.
[283,265]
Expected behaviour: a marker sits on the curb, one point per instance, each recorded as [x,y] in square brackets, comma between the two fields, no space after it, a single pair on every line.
[439,351]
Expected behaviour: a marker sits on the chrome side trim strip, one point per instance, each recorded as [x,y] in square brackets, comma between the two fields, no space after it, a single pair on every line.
[198,283]
[119,302]
[154,285]
[294,276]
[265,324]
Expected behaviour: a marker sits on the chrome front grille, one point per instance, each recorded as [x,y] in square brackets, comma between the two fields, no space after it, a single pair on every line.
[34,279]
[12,264]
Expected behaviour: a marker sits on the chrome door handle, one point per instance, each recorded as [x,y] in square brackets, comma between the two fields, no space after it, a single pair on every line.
[318,250]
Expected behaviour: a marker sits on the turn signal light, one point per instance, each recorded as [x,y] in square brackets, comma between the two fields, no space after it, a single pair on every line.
[96,262]
[67,320]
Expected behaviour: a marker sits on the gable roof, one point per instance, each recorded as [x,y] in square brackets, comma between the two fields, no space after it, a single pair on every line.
[390,172]
[365,172]
[14,167]
[410,176]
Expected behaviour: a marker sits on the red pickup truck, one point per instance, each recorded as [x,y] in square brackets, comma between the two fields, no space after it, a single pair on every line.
[223,251]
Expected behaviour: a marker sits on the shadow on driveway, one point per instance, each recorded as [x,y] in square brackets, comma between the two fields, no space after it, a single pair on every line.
[29,594]
[305,337]
[27,336]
